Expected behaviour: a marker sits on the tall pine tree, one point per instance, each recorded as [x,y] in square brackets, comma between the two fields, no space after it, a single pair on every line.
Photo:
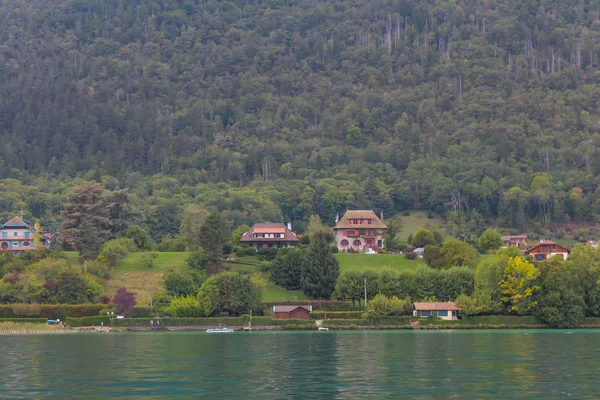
[213,236]
[320,269]
[86,220]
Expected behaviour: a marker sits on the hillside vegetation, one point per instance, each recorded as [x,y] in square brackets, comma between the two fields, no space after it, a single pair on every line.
[271,110]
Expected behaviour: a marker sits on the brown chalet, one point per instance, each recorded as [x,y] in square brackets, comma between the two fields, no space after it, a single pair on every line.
[361,231]
[546,249]
[270,236]
[515,241]
[295,312]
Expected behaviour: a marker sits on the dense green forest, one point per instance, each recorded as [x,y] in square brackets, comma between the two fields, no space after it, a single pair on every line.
[483,111]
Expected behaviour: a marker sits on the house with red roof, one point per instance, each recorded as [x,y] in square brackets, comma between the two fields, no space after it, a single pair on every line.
[442,310]
[360,231]
[17,235]
[270,236]
[546,249]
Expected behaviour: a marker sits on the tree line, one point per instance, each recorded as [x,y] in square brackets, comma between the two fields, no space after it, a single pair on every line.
[263,110]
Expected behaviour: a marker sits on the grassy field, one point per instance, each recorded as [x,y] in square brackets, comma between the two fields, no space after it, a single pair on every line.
[145,282]
[376,262]
[418,219]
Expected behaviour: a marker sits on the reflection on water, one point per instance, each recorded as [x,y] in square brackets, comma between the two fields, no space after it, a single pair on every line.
[324,365]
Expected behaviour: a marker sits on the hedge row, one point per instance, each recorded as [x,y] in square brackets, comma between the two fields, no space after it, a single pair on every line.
[50,311]
[88,321]
[509,320]
[26,320]
[382,321]
[317,305]
[145,322]
[337,314]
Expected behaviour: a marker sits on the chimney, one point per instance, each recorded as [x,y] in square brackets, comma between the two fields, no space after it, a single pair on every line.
[289,226]
[337,218]
[381,216]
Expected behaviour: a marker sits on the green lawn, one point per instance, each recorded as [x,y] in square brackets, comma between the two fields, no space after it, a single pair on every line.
[376,262]
[162,263]
[417,220]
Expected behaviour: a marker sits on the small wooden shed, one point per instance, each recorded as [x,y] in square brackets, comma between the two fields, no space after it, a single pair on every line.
[296,312]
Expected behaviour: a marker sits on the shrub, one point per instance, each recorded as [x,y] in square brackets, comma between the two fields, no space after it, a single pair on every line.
[410,255]
[88,321]
[240,253]
[114,250]
[197,260]
[382,306]
[188,307]
[335,250]
[250,251]
[227,248]
[267,254]
[124,302]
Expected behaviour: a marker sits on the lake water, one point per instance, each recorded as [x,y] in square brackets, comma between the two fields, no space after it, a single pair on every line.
[315,365]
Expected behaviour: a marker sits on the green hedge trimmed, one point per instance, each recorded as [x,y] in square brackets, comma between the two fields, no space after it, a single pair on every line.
[145,322]
[507,320]
[317,305]
[52,311]
[27,320]
[88,321]
[336,314]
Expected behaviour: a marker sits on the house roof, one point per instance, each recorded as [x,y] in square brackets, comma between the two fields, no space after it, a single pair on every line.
[288,235]
[288,309]
[514,237]
[449,305]
[559,248]
[17,222]
[345,221]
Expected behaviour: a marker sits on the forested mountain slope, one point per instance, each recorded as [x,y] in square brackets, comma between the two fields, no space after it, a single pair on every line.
[484,108]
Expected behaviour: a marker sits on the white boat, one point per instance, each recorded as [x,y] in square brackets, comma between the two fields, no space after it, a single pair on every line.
[219,330]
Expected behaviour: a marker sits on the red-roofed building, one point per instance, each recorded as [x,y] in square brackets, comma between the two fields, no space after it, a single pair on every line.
[442,310]
[515,241]
[546,249]
[361,231]
[270,236]
[17,235]
[295,312]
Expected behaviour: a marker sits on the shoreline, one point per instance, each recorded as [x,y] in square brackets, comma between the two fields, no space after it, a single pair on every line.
[203,329]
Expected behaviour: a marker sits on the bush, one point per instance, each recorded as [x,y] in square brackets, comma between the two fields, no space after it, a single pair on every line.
[336,315]
[143,312]
[88,321]
[382,306]
[227,248]
[240,253]
[54,311]
[267,254]
[188,307]
[411,255]
[250,251]
[25,320]
[335,250]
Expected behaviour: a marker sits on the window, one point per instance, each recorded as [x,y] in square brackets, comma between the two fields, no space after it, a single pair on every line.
[454,313]
[442,313]
[553,246]
[425,314]
[344,243]
[370,242]
[20,244]
[26,244]
[259,235]
[4,234]
[27,234]
[16,234]
[540,257]
[277,235]
[356,243]
[380,243]
[370,221]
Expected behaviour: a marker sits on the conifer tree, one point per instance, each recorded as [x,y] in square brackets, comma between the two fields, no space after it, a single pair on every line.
[213,236]
[320,269]
[86,220]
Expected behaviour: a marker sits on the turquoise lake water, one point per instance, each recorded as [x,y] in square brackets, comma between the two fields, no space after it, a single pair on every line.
[315,365]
